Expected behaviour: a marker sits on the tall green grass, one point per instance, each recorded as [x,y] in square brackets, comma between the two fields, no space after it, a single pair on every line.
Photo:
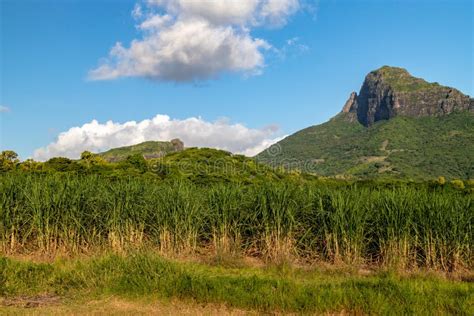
[407,226]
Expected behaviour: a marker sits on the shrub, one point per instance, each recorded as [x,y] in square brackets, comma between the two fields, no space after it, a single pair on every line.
[458,184]
[441,180]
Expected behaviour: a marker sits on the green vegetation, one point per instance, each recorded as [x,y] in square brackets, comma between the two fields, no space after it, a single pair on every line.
[8,160]
[402,147]
[150,149]
[283,289]
[391,224]
[344,197]
[197,165]
[208,166]
[117,221]
[401,80]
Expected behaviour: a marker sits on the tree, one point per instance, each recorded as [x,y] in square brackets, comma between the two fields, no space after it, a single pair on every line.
[30,165]
[86,155]
[8,160]
[62,164]
[90,159]
[138,162]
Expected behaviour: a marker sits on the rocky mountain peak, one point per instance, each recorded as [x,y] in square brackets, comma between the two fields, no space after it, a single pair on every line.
[391,91]
[350,103]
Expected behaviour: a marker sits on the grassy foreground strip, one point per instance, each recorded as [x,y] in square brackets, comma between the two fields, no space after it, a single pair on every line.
[283,289]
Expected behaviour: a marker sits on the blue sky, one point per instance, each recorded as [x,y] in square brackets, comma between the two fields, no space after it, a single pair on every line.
[320,52]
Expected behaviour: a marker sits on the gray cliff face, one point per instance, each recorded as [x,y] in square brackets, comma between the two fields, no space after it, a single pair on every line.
[178,145]
[351,103]
[390,91]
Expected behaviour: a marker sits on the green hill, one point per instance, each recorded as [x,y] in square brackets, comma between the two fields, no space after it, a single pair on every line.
[170,160]
[207,165]
[149,150]
[398,126]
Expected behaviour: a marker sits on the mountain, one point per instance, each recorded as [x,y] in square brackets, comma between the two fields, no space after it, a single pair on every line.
[391,91]
[397,126]
[149,150]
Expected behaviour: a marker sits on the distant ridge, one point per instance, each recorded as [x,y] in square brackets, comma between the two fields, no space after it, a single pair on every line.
[149,150]
[396,126]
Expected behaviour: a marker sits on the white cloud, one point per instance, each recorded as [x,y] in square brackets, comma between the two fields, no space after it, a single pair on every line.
[156,22]
[194,132]
[276,12]
[291,48]
[188,40]
[258,148]
[295,42]
[137,11]
[224,12]
[4,109]
[189,51]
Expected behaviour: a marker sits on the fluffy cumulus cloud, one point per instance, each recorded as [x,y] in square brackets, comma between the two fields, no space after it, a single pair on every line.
[189,40]
[194,132]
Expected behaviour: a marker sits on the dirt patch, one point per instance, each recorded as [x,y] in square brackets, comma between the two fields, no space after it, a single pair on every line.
[369,159]
[469,278]
[119,306]
[454,133]
[384,145]
[31,301]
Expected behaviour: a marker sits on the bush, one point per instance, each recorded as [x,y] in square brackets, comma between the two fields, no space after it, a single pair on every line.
[458,184]
[62,164]
[441,180]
